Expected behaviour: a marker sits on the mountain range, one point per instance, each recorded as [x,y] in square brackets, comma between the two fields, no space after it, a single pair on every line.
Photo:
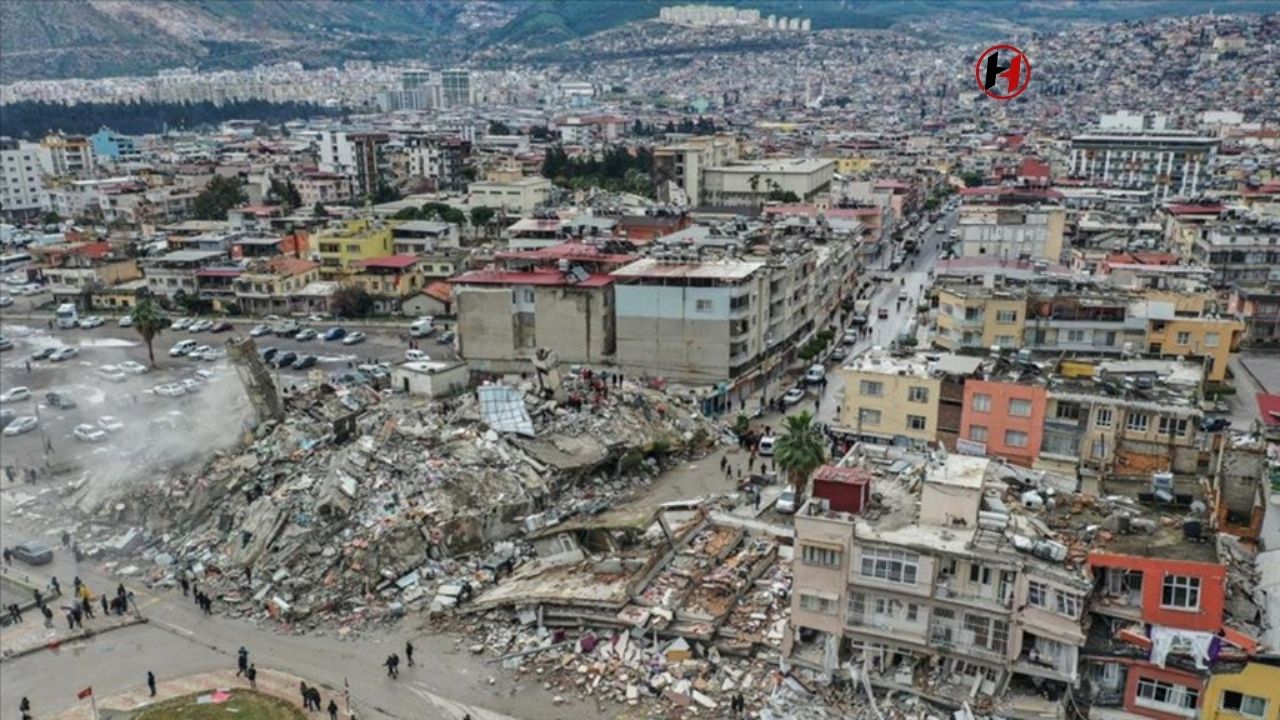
[97,38]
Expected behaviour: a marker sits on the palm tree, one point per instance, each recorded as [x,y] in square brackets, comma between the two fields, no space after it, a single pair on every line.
[800,450]
[148,321]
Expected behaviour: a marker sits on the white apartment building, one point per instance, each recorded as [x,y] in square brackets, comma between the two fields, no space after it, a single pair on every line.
[1011,224]
[1168,163]
[678,169]
[518,196]
[22,192]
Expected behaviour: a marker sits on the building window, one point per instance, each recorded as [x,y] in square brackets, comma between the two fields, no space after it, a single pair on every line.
[988,633]
[1184,338]
[816,604]
[1015,438]
[1075,336]
[1211,339]
[1167,696]
[1020,408]
[896,566]
[1004,340]
[1237,702]
[820,556]
[1102,418]
[1181,592]
[1175,427]
[870,388]
[1006,317]
[978,433]
[704,306]
[1067,411]
[1068,604]
[913,612]
[982,403]
[1137,422]
[868,417]
[916,422]
[918,394]
[1038,594]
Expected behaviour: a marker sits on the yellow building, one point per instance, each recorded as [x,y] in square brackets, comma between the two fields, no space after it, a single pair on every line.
[1248,693]
[886,397]
[390,280]
[1210,338]
[849,166]
[357,240]
[975,317]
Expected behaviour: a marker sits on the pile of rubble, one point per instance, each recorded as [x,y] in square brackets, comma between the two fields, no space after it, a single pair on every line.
[358,505]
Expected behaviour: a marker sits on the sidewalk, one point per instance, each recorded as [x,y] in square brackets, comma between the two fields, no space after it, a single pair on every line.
[32,636]
[270,682]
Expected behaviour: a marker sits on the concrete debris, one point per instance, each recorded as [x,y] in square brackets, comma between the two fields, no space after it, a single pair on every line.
[356,506]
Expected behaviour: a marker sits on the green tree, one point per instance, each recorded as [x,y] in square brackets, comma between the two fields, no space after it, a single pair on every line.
[973,178]
[409,213]
[50,218]
[482,215]
[352,301]
[318,210]
[148,322]
[779,195]
[800,450]
[219,196]
[497,127]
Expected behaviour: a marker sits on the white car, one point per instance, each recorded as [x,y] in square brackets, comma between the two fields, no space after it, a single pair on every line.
[206,374]
[793,396]
[198,352]
[786,503]
[765,448]
[89,433]
[133,368]
[191,385]
[5,301]
[20,425]
[213,354]
[260,329]
[182,348]
[305,334]
[15,395]
[112,373]
[65,353]
[354,338]
[181,324]
[170,390]
[92,321]
[5,343]
[110,424]
[815,374]
[416,355]
[125,321]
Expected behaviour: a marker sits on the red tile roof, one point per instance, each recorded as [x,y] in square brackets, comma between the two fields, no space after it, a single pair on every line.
[986,190]
[285,265]
[565,251]
[853,476]
[532,277]
[94,250]
[1269,408]
[440,290]
[1033,167]
[1183,209]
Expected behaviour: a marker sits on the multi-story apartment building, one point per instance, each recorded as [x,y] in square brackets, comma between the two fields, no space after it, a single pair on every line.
[1210,339]
[177,271]
[1242,252]
[1243,690]
[753,183]
[926,596]
[518,196]
[1169,163]
[415,237]
[1004,417]
[66,156]
[1259,310]
[891,399]
[22,193]
[78,269]
[435,156]
[975,317]
[362,239]
[1088,322]
[268,286]
[360,156]
[456,88]
[113,147]
[389,280]
[1011,223]
[691,321]
[678,169]
[1185,223]
[325,188]
[505,316]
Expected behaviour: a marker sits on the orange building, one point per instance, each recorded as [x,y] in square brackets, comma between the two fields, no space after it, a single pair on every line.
[1002,419]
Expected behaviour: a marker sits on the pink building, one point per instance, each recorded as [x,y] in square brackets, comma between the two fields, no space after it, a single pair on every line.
[1002,419]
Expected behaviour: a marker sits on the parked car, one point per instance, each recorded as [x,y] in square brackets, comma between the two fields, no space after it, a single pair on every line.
[200,326]
[20,425]
[304,361]
[222,326]
[61,401]
[793,396]
[110,424]
[65,353]
[415,355]
[286,328]
[305,334]
[354,338]
[6,343]
[180,324]
[5,301]
[191,385]
[213,354]
[133,368]
[786,502]
[44,353]
[260,329]
[125,321]
[112,373]
[814,374]
[285,359]
[171,390]
[839,354]
[422,327]
[198,353]
[850,337]
[334,333]
[268,353]
[765,448]
[883,313]
[1215,424]
[183,348]
[32,553]
[88,433]
[7,416]
[91,321]
[16,394]
[445,338]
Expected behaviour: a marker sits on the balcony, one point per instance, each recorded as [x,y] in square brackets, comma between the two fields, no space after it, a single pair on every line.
[988,602]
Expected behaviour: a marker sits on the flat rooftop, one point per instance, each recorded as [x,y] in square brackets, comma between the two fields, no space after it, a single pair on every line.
[710,270]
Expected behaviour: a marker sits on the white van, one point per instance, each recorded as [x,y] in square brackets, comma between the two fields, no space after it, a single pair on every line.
[766,446]
[815,374]
[183,348]
[422,327]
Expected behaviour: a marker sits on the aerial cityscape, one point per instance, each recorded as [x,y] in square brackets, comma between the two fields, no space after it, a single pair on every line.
[465,359]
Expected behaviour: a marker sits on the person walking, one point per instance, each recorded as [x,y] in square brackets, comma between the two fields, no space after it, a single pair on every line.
[186,585]
[306,694]
[8,557]
[105,611]
[252,674]
[313,698]
[48,616]
[151,683]
[242,661]
[393,662]
[408,652]
[57,587]
[87,606]
[333,709]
